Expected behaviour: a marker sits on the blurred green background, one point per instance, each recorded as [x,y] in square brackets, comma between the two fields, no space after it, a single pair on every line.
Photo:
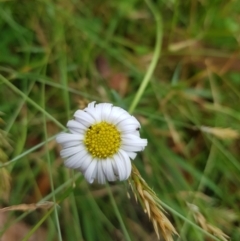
[57,56]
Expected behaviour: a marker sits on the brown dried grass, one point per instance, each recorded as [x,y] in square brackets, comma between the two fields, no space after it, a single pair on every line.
[151,205]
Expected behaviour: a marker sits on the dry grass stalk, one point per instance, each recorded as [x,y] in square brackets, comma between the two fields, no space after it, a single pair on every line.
[201,220]
[221,133]
[5,183]
[151,204]
[5,179]
[29,207]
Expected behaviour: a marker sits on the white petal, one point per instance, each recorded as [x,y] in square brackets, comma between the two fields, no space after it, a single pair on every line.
[77,131]
[108,170]
[130,136]
[127,164]
[87,160]
[91,170]
[105,109]
[125,119]
[84,118]
[115,169]
[117,115]
[127,129]
[66,137]
[132,148]
[132,155]
[71,144]
[100,174]
[95,113]
[91,105]
[129,121]
[76,160]
[94,174]
[135,133]
[71,151]
[134,142]
[118,167]
[76,127]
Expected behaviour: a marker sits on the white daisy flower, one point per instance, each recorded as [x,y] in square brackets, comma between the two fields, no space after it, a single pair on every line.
[102,141]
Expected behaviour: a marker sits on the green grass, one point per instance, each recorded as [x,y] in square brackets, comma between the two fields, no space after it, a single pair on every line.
[177,69]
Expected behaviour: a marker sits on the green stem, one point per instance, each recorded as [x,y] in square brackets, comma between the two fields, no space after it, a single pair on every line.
[49,166]
[27,152]
[29,234]
[127,237]
[155,58]
[30,101]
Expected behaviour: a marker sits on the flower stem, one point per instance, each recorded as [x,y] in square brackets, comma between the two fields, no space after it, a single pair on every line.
[127,237]
[155,58]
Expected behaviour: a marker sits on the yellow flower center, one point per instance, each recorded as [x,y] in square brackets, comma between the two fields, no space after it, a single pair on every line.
[102,140]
